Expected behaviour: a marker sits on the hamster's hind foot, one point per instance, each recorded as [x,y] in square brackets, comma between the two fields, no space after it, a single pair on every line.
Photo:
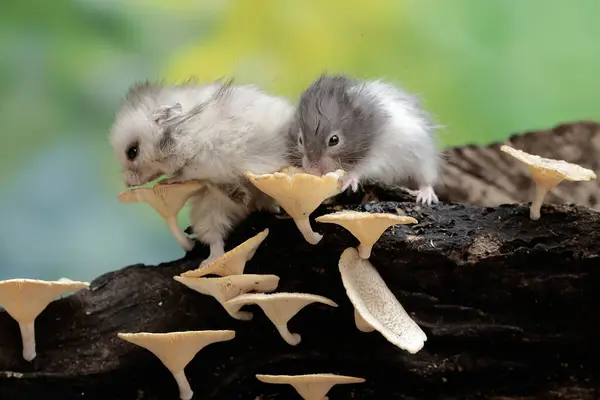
[217,249]
[426,195]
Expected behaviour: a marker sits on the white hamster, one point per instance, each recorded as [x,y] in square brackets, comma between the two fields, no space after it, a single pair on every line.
[213,132]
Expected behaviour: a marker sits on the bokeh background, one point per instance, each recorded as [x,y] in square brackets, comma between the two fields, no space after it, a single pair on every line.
[484,69]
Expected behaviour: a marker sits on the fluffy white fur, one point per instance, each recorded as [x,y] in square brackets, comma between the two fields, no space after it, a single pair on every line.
[212,132]
[406,147]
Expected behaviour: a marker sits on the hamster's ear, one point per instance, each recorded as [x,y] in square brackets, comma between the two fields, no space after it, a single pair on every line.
[165,112]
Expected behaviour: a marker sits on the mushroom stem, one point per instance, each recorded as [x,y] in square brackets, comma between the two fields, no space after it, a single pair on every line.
[185,391]
[234,311]
[310,236]
[183,241]
[364,251]
[28,338]
[361,324]
[291,338]
[538,200]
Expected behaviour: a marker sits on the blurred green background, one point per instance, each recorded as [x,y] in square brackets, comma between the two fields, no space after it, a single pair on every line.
[485,69]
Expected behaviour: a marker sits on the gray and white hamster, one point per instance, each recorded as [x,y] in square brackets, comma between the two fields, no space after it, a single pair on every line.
[373,130]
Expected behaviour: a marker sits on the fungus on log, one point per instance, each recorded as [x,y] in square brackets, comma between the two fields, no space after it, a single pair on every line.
[546,174]
[485,176]
[509,307]
[299,194]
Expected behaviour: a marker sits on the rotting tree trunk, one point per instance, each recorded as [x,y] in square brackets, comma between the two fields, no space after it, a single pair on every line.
[509,305]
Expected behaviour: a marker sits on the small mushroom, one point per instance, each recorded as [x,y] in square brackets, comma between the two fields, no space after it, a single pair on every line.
[547,173]
[167,200]
[312,386]
[233,262]
[227,288]
[280,308]
[376,304]
[366,227]
[25,299]
[299,194]
[176,349]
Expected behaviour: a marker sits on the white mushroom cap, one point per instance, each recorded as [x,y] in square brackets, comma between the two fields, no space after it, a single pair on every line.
[299,194]
[312,386]
[376,304]
[280,308]
[233,262]
[167,200]
[547,173]
[226,288]
[25,299]
[366,227]
[176,349]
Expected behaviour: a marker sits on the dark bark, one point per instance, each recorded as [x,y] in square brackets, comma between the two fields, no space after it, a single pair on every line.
[509,305]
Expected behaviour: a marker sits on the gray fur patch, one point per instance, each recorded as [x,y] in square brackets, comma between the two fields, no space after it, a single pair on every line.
[337,103]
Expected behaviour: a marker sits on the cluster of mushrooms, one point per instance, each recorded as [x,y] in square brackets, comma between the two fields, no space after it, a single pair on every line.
[299,194]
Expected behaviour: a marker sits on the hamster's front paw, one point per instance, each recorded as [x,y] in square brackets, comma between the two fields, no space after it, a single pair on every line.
[426,195]
[171,181]
[350,181]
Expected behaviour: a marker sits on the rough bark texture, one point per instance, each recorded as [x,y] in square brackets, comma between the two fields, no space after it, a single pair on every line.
[509,305]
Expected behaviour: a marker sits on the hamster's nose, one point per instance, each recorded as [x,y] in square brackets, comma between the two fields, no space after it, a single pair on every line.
[322,169]
[128,183]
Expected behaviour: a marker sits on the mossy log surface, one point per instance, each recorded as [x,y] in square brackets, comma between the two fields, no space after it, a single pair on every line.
[509,305]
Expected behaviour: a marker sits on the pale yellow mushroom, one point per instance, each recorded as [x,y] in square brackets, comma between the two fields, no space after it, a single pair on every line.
[366,227]
[299,194]
[376,304]
[233,262]
[176,349]
[311,386]
[226,288]
[280,308]
[167,200]
[547,173]
[25,299]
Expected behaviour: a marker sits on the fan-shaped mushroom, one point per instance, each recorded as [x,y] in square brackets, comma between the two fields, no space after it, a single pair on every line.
[366,227]
[233,262]
[227,288]
[167,200]
[25,299]
[376,304]
[176,349]
[280,308]
[299,194]
[547,173]
[312,386]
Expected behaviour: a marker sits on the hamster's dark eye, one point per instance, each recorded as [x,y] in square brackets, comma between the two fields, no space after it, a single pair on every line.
[300,140]
[132,151]
[333,141]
